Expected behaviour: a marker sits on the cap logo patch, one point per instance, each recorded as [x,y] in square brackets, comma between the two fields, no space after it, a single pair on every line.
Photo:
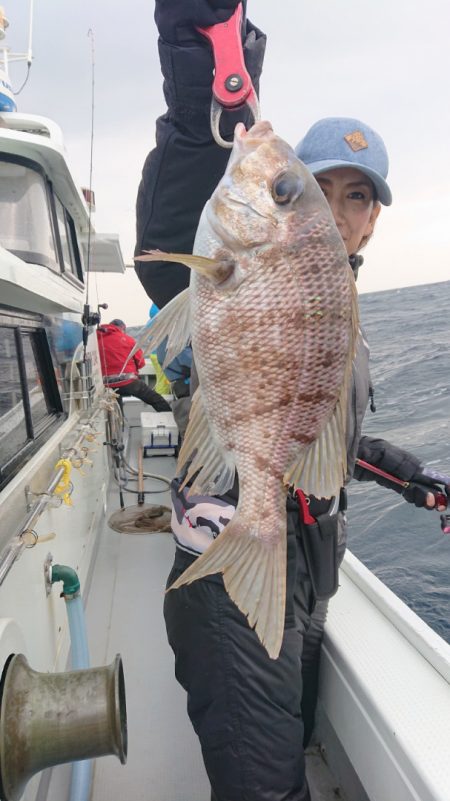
[356,140]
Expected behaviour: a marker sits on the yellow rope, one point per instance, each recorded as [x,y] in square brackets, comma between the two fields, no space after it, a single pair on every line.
[62,489]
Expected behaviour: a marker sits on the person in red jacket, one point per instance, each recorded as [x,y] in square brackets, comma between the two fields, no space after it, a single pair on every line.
[114,345]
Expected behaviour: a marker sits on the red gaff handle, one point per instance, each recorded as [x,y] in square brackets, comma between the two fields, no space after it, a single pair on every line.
[232,84]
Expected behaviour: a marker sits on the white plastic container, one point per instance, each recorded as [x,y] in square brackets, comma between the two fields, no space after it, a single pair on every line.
[159,433]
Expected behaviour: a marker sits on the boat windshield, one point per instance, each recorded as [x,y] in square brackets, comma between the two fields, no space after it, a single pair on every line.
[25,218]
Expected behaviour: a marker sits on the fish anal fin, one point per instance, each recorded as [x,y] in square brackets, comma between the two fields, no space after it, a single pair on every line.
[254,574]
[320,469]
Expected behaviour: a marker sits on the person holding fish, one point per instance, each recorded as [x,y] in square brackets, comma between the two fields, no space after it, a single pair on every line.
[259,501]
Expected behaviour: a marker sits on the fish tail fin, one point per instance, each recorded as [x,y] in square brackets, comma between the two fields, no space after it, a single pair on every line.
[254,574]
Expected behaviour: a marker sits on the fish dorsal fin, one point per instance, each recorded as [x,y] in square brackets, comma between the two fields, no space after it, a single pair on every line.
[321,470]
[173,322]
[216,466]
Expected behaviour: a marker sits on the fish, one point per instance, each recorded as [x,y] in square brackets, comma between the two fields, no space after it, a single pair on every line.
[272,313]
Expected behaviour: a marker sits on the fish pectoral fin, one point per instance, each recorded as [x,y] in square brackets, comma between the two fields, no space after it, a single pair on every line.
[254,574]
[172,322]
[216,466]
[217,270]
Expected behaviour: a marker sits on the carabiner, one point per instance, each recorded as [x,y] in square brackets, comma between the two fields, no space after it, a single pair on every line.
[232,86]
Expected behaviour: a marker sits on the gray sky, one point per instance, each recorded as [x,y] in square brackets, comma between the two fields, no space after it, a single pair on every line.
[386,62]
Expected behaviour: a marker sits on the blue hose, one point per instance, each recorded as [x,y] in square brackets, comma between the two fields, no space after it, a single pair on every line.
[78,635]
[80,786]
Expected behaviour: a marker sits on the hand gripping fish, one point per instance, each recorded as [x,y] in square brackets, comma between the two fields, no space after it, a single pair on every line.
[271,294]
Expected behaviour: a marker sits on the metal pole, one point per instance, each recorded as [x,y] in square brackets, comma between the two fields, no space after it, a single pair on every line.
[17,543]
[141,495]
[30,35]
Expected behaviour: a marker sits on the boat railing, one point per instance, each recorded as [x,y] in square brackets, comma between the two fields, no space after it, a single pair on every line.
[418,633]
[76,455]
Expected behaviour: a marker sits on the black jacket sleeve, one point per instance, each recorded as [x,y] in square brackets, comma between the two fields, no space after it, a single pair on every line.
[390,458]
[181,173]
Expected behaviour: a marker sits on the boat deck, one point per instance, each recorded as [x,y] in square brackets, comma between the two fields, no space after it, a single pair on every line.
[164,757]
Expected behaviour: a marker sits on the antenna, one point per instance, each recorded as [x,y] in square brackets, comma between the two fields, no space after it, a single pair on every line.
[91,156]
[7,94]
[90,318]
[30,35]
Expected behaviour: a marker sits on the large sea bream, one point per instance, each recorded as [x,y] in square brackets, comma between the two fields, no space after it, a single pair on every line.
[272,312]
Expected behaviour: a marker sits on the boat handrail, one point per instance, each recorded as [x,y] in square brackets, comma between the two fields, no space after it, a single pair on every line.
[18,541]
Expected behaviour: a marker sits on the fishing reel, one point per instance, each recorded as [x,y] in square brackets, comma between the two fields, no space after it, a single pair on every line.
[91,318]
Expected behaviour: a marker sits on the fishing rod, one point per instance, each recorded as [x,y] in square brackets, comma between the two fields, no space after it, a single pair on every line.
[440,478]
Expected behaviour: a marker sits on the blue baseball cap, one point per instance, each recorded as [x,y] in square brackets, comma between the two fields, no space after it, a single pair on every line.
[336,142]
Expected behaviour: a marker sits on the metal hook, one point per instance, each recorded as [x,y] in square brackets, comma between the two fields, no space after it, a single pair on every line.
[216,113]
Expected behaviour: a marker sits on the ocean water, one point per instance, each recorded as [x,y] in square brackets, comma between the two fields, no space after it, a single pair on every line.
[409,335]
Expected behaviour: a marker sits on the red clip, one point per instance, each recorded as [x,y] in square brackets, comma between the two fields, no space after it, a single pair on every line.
[304,507]
[232,85]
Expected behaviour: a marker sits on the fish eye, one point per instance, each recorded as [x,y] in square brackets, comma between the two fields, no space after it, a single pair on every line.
[287,187]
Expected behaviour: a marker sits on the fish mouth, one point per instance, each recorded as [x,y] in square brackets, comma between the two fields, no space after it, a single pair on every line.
[259,131]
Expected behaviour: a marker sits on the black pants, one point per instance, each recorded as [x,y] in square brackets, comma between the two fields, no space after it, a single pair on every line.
[246,708]
[139,389]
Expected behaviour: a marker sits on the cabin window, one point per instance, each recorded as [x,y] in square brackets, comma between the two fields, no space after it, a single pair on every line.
[26,227]
[69,251]
[30,404]
[34,224]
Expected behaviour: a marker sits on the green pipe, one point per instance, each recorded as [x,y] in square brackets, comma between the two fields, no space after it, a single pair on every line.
[69,577]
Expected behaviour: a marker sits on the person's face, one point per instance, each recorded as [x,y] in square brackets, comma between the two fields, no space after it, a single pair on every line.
[350,195]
